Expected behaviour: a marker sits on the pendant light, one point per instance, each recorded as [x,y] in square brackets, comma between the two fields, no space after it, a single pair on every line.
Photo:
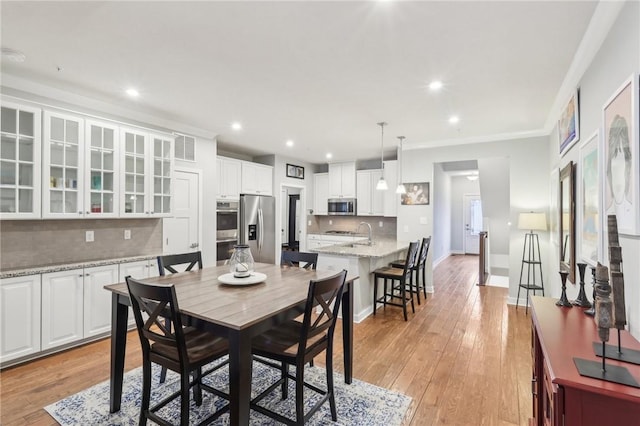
[400,189]
[382,184]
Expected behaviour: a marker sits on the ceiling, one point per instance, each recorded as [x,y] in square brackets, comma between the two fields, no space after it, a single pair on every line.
[319,73]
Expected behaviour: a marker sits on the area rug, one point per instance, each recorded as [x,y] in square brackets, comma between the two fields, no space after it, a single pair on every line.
[359,403]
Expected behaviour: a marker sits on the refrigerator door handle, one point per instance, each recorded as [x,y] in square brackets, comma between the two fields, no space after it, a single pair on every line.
[260,229]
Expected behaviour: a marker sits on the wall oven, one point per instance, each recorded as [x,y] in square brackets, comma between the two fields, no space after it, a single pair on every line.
[226,228]
[341,206]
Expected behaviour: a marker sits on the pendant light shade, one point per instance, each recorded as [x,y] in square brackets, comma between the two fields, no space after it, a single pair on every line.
[400,189]
[382,184]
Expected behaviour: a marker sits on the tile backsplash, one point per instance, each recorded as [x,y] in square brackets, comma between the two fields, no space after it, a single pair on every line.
[321,224]
[29,243]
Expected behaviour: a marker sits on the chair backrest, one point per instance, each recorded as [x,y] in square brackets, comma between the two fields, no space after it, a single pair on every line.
[169,261]
[159,303]
[318,327]
[293,258]
[424,251]
[411,261]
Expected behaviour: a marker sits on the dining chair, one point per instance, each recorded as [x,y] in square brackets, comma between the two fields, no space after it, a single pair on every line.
[167,262]
[418,270]
[186,350]
[294,258]
[403,278]
[296,343]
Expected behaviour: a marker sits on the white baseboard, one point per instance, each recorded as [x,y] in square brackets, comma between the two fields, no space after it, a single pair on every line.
[456,252]
[436,262]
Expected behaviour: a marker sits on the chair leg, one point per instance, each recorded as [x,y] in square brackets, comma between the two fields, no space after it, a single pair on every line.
[375,294]
[300,394]
[163,371]
[404,301]
[329,367]
[184,398]
[284,369]
[415,280]
[146,392]
[424,283]
[197,389]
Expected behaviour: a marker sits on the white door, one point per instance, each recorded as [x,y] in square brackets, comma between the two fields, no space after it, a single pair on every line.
[181,232]
[472,223]
[62,306]
[19,316]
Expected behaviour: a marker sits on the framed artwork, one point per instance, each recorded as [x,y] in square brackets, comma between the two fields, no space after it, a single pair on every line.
[417,194]
[589,207]
[620,157]
[569,124]
[554,183]
[294,171]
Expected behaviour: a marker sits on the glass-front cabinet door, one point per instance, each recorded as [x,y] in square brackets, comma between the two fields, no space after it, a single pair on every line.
[19,161]
[162,168]
[101,169]
[63,155]
[133,195]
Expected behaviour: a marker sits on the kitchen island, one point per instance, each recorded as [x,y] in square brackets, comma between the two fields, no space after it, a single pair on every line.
[361,259]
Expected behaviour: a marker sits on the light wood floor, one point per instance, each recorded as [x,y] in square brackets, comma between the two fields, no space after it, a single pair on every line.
[464,358]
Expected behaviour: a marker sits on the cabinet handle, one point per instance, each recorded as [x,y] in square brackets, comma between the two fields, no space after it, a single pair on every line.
[79,212]
[80,275]
[87,275]
[87,213]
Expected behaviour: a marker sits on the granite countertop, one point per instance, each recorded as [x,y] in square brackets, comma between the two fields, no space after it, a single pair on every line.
[381,247]
[43,269]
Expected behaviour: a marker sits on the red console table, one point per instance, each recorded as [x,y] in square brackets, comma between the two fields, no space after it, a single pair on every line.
[561,396]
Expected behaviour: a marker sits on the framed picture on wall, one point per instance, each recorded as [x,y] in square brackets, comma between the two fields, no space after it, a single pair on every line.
[569,124]
[417,194]
[554,183]
[620,157]
[589,207]
[295,171]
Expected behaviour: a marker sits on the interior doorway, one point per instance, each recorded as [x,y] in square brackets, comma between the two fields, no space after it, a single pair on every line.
[181,233]
[472,213]
[292,217]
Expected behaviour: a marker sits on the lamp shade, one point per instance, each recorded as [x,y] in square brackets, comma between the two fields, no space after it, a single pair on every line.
[532,221]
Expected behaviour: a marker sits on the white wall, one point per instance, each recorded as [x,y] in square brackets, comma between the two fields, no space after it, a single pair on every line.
[617,59]
[441,201]
[528,189]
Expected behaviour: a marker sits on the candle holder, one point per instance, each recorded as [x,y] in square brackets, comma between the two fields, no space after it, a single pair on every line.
[582,300]
[563,301]
[241,263]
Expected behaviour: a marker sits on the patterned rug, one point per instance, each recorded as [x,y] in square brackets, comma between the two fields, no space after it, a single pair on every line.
[359,403]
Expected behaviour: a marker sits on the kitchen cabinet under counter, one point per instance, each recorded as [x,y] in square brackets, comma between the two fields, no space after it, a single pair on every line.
[361,259]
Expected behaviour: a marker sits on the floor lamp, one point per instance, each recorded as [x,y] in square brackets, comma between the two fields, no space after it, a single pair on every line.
[531,253]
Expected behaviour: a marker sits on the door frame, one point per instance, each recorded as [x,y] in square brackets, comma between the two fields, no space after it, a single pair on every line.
[198,173]
[303,228]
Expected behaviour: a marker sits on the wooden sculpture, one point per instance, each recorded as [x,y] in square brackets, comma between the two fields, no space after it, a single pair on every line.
[603,318]
[617,278]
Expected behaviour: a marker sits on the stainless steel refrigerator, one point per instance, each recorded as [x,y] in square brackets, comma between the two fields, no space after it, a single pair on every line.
[257,226]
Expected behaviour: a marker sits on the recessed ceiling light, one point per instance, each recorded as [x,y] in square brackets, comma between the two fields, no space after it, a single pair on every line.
[133,93]
[435,85]
[236,126]
[289,143]
[12,55]
[454,119]
[329,155]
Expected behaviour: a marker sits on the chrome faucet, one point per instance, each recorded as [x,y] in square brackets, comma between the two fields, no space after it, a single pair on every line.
[370,241]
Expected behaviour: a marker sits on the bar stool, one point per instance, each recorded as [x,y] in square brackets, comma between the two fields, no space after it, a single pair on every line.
[418,269]
[403,277]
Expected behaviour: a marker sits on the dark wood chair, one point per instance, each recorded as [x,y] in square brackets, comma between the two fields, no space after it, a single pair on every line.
[399,290]
[297,343]
[418,270]
[293,258]
[167,263]
[185,350]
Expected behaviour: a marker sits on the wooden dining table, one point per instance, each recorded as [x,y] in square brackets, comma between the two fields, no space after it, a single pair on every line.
[238,312]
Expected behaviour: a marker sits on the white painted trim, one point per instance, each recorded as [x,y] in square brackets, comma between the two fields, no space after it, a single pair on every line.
[436,262]
[477,139]
[303,226]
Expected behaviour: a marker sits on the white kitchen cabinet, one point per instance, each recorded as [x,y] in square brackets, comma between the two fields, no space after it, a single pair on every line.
[147,168]
[101,169]
[320,193]
[20,169]
[63,166]
[257,179]
[97,300]
[342,180]
[229,173]
[19,317]
[62,307]
[370,200]
[391,199]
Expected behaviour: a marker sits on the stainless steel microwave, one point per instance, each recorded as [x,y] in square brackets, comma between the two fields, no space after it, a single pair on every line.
[341,206]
